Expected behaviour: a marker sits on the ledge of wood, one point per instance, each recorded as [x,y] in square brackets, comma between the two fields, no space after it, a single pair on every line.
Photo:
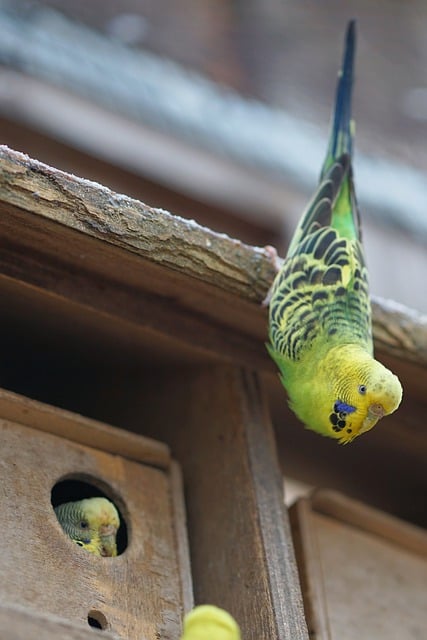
[31,192]
[19,623]
[77,428]
[151,233]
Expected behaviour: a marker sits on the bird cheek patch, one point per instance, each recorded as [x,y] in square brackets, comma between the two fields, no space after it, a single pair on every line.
[342,407]
[338,418]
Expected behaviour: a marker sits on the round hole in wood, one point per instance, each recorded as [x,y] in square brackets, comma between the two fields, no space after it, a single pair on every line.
[96,619]
[75,488]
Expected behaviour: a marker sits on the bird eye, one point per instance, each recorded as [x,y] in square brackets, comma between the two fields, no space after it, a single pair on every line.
[362,389]
[83,524]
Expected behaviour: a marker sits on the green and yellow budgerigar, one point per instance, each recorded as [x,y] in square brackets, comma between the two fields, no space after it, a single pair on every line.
[319,314]
[92,523]
[207,622]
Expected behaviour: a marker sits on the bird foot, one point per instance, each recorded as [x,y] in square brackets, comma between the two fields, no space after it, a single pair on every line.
[277,263]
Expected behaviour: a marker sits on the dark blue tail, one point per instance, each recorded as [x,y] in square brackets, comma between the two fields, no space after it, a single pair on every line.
[342,135]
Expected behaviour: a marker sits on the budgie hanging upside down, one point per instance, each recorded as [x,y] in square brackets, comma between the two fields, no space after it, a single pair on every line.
[207,622]
[319,314]
[92,523]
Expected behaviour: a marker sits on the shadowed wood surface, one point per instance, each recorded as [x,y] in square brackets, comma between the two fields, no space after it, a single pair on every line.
[218,270]
[17,408]
[339,507]
[364,573]
[241,547]
[139,593]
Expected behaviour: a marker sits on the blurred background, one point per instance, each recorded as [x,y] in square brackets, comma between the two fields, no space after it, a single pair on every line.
[219,110]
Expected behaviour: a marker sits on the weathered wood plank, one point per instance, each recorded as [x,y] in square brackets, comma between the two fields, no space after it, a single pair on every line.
[77,428]
[357,514]
[182,547]
[102,286]
[20,623]
[273,518]
[309,570]
[241,548]
[168,240]
[137,594]
[364,572]
[197,254]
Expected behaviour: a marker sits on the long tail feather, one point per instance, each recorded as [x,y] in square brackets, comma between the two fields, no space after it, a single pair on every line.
[341,140]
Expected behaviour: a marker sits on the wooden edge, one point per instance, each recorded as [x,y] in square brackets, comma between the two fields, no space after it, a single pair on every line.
[19,623]
[132,225]
[275,531]
[183,548]
[214,258]
[350,511]
[310,570]
[74,427]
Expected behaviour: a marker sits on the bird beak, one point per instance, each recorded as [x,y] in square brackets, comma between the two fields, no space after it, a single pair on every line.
[376,411]
[107,530]
[108,539]
[109,547]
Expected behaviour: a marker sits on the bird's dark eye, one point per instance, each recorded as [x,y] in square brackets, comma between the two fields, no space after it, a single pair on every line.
[79,542]
[362,389]
[83,524]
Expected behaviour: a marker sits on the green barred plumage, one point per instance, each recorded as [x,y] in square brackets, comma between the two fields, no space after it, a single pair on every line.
[320,315]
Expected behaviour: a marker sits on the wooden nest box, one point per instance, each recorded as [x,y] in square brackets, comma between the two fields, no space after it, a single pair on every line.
[50,456]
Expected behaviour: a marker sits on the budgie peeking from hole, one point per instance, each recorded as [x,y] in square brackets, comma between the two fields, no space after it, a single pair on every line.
[319,310]
[92,523]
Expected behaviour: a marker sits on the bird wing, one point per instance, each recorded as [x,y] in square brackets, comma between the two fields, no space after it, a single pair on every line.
[322,289]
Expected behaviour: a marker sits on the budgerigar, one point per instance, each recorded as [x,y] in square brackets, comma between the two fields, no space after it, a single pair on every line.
[92,523]
[207,622]
[319,315]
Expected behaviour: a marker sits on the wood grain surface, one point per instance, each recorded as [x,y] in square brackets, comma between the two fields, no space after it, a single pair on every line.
[220,279]
[138,594]
[217,426]
[19,623]
[77,428]
[364,573]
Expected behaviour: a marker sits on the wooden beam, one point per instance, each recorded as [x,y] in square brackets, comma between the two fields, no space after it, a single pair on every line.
[76,428]
[359,515]
[202,272]
[242,554]
[19,623]
[154,234]
[344,547]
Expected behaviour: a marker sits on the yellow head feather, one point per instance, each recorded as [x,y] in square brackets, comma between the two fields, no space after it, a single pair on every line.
[92,523]
[346,394]
[207,622]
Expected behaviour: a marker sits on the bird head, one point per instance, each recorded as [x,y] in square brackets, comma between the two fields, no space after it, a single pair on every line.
[207,622]
[92,523]
[344,393]
[104,520]
[363,391]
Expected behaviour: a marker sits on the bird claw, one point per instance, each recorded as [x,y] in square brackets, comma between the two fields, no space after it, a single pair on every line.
[277,264]
[271,253]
